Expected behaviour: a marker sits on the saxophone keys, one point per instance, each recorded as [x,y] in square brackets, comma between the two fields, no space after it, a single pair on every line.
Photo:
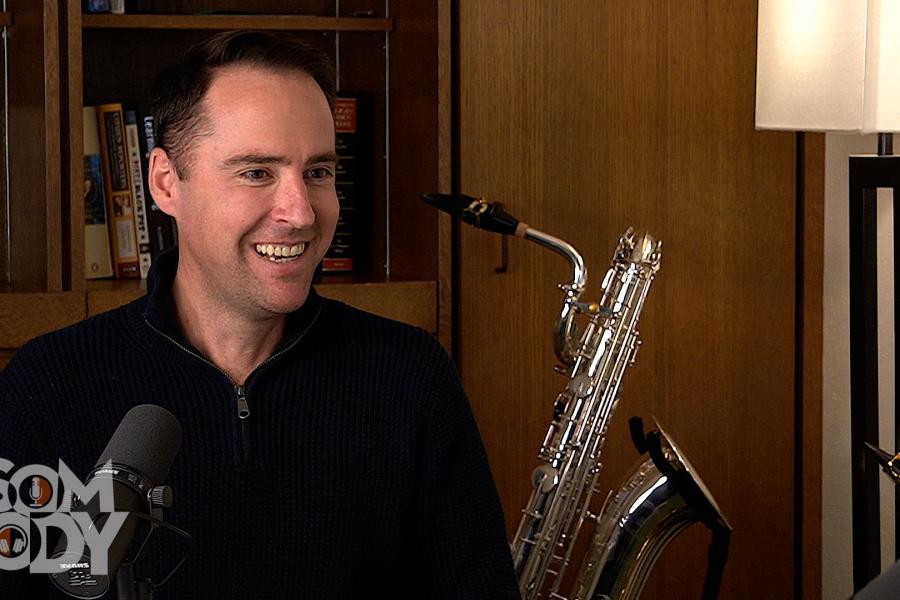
[587,308]
[626,243]
[544,478]
[580,386]
[635,344]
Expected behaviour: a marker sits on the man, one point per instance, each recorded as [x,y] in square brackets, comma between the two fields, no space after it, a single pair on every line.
[326,453]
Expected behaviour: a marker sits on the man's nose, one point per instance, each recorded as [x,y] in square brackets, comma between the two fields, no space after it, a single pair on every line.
[293,204]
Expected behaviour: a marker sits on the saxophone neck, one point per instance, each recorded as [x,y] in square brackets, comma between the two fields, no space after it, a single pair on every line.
[492,216]
[566,337]
[564,249]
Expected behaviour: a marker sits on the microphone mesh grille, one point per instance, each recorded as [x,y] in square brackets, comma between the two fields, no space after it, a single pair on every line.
[146,440]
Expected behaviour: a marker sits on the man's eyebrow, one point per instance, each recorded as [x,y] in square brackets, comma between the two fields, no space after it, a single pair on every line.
[254,159]
[271,159]
[325,157]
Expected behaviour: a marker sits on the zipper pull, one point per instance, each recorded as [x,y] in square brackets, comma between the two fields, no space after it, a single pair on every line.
[242,406]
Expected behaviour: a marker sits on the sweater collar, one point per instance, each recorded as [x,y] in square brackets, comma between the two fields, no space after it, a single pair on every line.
[158,308]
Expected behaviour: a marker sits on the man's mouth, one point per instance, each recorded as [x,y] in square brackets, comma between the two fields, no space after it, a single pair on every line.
[280,252]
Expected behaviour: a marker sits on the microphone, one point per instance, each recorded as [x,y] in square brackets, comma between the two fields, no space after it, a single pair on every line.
[141,452]
[35,492]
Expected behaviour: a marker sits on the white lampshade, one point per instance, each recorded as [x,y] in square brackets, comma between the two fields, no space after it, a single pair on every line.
[828,65]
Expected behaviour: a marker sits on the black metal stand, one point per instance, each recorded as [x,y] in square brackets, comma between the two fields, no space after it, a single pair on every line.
[129,589]
[867,173]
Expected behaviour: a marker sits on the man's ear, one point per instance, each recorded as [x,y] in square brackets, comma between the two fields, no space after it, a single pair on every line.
[163,179]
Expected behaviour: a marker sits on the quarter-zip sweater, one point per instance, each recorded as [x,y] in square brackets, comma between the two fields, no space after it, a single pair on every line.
[348,465]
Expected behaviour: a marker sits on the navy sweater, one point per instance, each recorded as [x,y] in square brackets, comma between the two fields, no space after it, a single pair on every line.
[359,472]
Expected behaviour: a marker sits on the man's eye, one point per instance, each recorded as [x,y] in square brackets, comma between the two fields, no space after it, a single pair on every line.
[255,174]
[319,173]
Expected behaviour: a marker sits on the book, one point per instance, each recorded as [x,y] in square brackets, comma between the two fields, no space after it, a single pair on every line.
[349,183]
[96,6]
[117,186]
[97,260]
[133,145]
[163,231]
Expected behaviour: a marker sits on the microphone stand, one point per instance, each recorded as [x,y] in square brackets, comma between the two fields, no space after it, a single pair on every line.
[129,589]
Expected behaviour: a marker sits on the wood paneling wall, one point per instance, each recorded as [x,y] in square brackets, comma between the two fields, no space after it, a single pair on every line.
[585,117]
[32,257]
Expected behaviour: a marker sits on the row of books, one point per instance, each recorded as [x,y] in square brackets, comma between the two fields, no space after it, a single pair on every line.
[124,228]
[118,7]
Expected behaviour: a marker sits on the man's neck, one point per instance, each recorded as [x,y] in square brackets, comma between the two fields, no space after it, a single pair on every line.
[233,343]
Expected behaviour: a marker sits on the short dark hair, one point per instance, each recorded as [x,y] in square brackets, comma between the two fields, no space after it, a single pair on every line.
[179,90]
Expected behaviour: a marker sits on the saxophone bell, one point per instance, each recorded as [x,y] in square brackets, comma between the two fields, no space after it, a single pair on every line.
[660,498]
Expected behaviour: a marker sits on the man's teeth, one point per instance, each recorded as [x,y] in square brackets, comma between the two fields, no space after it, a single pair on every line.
[274,251]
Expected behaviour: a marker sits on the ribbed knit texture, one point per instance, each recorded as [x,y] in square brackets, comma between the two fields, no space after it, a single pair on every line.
[358,474]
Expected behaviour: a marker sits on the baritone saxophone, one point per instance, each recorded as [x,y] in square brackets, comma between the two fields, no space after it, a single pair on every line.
[659,499]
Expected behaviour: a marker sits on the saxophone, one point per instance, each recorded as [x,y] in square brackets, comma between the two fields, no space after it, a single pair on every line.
[660,498]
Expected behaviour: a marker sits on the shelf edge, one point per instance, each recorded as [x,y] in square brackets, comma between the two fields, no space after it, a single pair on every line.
[269,22]
[411,302]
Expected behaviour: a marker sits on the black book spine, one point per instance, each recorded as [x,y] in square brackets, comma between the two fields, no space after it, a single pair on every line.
[163,232]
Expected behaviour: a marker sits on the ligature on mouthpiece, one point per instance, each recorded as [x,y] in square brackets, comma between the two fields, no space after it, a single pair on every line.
[490,216]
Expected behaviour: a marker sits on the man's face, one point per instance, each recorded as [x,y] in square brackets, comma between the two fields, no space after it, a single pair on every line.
[257,208]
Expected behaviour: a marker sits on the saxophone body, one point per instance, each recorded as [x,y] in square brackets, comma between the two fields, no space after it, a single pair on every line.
[659,499]
[565,480]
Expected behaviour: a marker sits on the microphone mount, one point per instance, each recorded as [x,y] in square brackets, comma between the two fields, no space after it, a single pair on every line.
[81,584]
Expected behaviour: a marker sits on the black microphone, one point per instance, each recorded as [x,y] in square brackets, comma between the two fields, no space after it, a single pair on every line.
[141,452]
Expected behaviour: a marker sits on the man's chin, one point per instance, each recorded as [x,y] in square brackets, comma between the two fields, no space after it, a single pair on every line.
[286,303]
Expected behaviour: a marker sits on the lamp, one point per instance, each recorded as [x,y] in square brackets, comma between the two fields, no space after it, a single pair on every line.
[834,65]
[829,66]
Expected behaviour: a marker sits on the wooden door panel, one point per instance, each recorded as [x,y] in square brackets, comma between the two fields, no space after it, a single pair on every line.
[586,117]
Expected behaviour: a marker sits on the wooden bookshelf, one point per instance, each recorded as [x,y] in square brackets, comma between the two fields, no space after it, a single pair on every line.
[222,22]
[6,19]
[412,302]
[26,315]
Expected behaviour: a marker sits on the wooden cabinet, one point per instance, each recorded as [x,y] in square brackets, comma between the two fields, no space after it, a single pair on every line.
[395,53]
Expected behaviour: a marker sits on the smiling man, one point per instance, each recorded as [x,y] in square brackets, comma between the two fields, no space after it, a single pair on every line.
[327,452]
[251,186]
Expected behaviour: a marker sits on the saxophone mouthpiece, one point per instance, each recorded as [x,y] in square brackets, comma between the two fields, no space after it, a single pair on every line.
[453,205]
[490,216]
[889,463]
